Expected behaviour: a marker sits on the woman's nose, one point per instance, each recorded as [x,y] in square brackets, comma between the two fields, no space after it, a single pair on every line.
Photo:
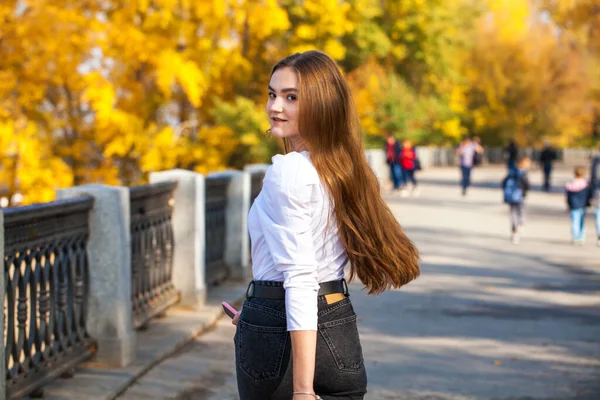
[277,105]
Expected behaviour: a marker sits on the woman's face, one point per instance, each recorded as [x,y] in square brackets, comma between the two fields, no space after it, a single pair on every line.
[282,107]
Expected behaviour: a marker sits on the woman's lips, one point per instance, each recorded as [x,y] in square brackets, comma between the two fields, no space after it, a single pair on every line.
[278,120]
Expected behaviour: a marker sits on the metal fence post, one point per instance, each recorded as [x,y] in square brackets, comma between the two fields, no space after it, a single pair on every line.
[188,231]
[110,319]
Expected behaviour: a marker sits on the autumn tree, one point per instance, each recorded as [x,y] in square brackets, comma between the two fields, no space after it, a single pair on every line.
[30,68]
[579,22]
[525,84]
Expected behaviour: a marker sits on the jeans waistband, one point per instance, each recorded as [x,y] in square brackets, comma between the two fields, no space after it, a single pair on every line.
[274,289]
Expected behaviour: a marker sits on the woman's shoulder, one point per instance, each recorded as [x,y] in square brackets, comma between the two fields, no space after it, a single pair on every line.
[293,169]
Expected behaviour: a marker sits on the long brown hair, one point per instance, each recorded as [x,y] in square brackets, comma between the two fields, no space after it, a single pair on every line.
[380,253]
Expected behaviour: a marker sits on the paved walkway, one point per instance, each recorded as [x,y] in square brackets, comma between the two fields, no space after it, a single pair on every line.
[486,320]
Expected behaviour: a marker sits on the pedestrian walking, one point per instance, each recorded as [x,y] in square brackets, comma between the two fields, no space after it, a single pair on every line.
[547,157]
[595,191]
[319,209]
[511,152]
[392,151]
[478,156]
[466,152]
[408,162]
[578,198]
[515,187]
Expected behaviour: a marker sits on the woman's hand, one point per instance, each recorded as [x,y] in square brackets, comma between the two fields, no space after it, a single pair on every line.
[236,318]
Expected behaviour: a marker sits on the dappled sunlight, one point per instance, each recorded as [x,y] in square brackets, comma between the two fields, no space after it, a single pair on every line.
[469,346]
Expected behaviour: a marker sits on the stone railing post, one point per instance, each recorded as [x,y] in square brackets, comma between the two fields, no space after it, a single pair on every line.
[188,231]
[2,322]
[238,204]
[109,318]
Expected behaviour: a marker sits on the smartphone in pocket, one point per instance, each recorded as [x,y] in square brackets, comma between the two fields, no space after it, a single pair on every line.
[230,311]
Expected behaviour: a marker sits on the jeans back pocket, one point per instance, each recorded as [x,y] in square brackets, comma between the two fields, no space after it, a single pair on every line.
[343,341]
[261,350]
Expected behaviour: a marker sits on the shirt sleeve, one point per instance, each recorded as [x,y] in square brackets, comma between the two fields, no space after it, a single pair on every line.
[285,218]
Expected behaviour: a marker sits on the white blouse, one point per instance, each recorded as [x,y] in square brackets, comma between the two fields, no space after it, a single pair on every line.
[292,241]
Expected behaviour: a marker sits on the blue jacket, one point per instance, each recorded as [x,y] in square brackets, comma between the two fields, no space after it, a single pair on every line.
[578,194]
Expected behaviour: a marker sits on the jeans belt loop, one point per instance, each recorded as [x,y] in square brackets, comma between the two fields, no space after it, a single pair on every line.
[250,293]
[345,285]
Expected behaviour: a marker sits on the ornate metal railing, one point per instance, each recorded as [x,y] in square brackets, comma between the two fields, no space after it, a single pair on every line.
[152,247]
[256,183]
[215,225]
[45,292]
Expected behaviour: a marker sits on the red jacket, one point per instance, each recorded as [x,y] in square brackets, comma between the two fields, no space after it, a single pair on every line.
[407,158]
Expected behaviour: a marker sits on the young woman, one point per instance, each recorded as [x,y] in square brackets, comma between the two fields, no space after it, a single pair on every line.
[319,208]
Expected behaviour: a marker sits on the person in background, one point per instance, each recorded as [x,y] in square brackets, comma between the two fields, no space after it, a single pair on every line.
[511,153]
[408,162]
[478,156]
[466,153]
[595,191]
[392,152]
[547,157]
[578,197]
[515,187]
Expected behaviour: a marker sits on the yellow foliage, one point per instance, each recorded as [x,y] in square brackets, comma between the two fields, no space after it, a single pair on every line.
[452,128]
[510,18]
[28,166]
[249,139]
[97,95]
[306,32]
[335,49]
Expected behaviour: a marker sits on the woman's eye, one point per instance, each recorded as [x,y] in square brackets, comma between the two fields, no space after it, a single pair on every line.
[272,95]
[291,97]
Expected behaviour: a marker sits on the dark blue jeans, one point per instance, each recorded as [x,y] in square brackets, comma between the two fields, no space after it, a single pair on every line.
[466,177]
[409,177]
[396,175]
[547,173]
[263,352]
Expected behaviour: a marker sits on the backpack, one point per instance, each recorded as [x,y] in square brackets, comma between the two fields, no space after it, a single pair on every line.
[513,188]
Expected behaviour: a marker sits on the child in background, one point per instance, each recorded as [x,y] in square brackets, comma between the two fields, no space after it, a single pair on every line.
[515,187]
[408,161]
[578,196]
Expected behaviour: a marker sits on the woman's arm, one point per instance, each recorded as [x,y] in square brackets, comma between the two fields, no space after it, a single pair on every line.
[304,349]
[285,216]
